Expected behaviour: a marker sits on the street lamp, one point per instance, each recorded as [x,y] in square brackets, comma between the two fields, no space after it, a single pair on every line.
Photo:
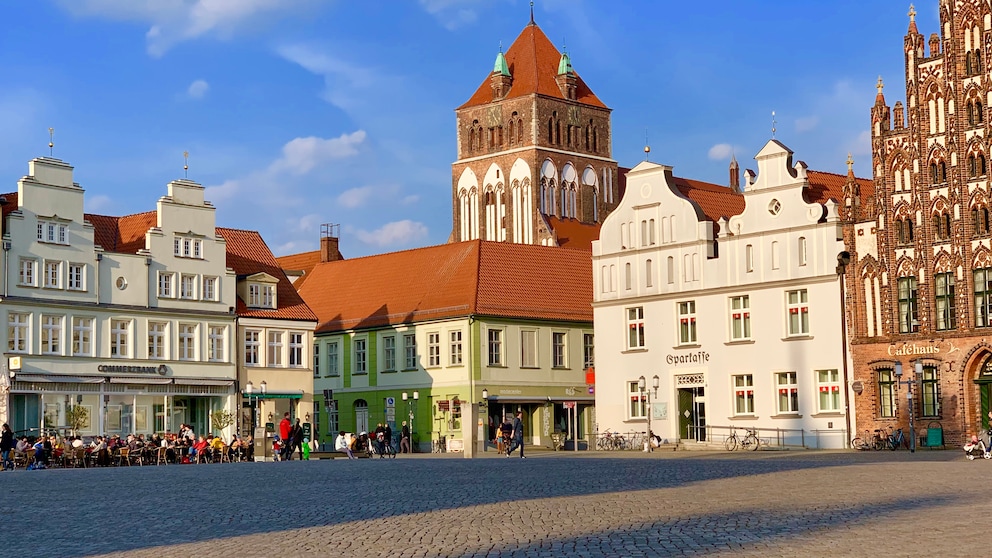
[484,404]
[918,369]
[249,389]
[410,408]
[641,385]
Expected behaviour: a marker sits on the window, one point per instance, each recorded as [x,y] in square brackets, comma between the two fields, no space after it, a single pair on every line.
[648,274]
[82,337]
[27,275]
[216,335]
[275,349]
[749,258]
[209,288]
[261,296]
[410,351]
[187,287]
[627,277]
[942,226]
[983,297]
[495,347]
[120,342]
[188,247]
[528,349]
[74,277]
[456,348]
[156,339]
[788,393]
[53,275]
[295,349]
[904,231]
[886,394]
[389,353]
[254,295]
[946,318]
[17,332]
[588,350]
[802,250]
[434,349]
[165,285]
[908,317]
[51,335]
[687,322]
[930,393]
[187,342]
[744,394]
[980,220]
[638,408]
[671,270]
[828,386]
[251,347]
[332,359]
[268,296]
[558,350]
[316,361]
[635,328]
[361,361]
[50,231]
[740,318]
[798,304]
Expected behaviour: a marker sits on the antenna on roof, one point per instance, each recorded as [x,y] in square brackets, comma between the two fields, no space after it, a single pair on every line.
[532,12]
[774,124]
[51,142]
[185,164]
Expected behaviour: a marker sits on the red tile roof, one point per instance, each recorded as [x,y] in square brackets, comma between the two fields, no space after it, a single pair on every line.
[824,186]
[533,63]
[716,201]
[451,280]
[123,235]
[247,254]
[304,262]
[574,234]
[10,206]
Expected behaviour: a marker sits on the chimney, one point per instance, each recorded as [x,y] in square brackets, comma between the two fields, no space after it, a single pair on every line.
[329,234]
[735,174]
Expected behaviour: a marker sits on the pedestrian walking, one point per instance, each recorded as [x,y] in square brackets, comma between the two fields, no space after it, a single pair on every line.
[6,445]
[297,439]
[285,428]
[405,439]
[387,436]
[518,435]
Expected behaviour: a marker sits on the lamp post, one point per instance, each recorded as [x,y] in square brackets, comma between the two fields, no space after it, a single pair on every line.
[411,406]
[918,369]
[249,390]
[484,404]
[843,260]
[641,385]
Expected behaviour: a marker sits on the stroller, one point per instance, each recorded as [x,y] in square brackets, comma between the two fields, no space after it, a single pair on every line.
[979,446]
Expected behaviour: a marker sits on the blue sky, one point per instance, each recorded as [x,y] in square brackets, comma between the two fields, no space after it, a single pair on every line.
[301,112]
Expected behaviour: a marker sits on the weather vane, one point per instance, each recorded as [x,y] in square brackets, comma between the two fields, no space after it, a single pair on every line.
[647,148]
[186,164]
[51,142]
[532,11]
[774,125]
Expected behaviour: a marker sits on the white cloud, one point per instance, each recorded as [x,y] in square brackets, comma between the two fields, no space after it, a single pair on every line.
[99,204]
[355,197]
[198,89]
[721,152]
[397,233]
[301,155]
[806,124]
[173,21]
[347,86]
[452,14]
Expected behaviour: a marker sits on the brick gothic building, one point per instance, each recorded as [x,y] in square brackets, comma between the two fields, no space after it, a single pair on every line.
[920,283]
[534,159]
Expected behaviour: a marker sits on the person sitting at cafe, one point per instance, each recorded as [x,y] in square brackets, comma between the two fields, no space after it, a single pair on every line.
[22,445]
[341,445]
[216,447]
[200,448]
[77,442]
[99,449]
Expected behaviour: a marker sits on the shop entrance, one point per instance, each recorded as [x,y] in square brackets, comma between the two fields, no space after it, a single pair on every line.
[983,380]
[692,414]
[361,416]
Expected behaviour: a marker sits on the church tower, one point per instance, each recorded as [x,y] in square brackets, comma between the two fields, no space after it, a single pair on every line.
[534,158]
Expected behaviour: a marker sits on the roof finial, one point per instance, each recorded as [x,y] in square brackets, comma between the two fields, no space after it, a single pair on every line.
[850,164]
[51,142]
[880,85]
[774,125]
[532,12]
[647,148]
[186,164]
[911,14]
[501,46]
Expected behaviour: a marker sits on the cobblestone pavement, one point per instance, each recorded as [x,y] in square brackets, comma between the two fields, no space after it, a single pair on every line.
[792,503]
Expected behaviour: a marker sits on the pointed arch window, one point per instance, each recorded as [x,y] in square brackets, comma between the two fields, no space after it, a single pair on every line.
[942,226]
[972,166]
[904,231]
[520,130]
[980,220]
[551,130]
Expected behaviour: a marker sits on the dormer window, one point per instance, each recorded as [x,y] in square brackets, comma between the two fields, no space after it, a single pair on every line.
[188,247]
[261,296]
[52,232]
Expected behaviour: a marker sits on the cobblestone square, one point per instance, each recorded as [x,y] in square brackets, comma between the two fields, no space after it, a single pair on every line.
[789,503]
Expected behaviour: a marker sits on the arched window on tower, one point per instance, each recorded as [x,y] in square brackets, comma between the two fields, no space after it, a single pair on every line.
[972,166]
[520,130]
[512,136]
[980,220]
[595,140]
[943,171]
[557,132]
[934,173]
[551,130]
[471,140]
[942,226]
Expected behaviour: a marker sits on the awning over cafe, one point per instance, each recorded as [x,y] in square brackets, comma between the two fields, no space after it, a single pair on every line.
[51,378]
[274,395]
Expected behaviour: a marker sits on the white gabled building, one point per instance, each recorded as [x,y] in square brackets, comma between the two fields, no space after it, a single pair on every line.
[731,299]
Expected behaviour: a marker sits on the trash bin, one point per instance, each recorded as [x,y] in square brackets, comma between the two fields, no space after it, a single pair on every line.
[935,435]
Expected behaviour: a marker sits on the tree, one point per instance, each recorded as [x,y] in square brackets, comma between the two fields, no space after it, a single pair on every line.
[76,418]
[222,419]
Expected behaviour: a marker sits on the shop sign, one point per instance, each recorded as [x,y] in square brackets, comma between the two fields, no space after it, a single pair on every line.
[161,370]
[698,357]
[443,405]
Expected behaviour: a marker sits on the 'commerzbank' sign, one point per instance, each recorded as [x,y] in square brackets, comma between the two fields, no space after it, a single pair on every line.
[116,369]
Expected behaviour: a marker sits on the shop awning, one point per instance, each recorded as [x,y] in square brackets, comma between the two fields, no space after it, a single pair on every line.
[538,399]
[59,378]
[274,395]
[202,382]
[140,380]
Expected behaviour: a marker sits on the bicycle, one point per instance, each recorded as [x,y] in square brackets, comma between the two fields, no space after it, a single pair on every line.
[438,445]
[896,439]
[869,441]
[750,441]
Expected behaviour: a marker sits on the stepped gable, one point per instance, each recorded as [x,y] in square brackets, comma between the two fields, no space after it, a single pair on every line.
[247,254]
[475,277]
[533,63]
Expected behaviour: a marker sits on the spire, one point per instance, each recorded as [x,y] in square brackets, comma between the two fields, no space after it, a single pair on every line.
[912,19]
[850,165]
[500,66]
[880,98]
[532,12]
[565,64]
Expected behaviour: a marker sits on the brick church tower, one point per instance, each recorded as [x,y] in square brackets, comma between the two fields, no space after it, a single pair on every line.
[534,159]
[920,283]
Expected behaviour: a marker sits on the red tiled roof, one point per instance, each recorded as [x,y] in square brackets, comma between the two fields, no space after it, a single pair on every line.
[574,234]
[533,63]
[10,206]
[304,261]
[716,201]
[824,186]
[450,280]
[247,254]
[123,235]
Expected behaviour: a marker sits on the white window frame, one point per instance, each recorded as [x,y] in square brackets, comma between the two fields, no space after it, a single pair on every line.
[274,345]
[216,339]
[787,393]
[252,347]
[82,336]
[361,346]
[829,394]
[187,287]
[740,318]
[495,352]
[743,385]
[18,332]
[268,296]
[410,351]
[797,306]
[210,288]
[455,354]
[588,350]
[333,358]
[296,355]
[635,327]
[254,295]
[53,274]
[51,334]
[389,353]
[434,349]
[188,334]
[316,360]
[559,349]
[687,322]
[28,275]
[529,356]
[165,281]
[120,338]
[75,277]
[52,232]
[157,335]
[637,405]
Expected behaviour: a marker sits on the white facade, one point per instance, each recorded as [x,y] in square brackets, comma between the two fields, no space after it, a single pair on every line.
[143,338]
[742,330]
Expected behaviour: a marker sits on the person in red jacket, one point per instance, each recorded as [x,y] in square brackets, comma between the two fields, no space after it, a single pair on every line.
[284,434]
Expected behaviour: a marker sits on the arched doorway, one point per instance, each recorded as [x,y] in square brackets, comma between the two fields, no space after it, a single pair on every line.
[361,416]
[983,378]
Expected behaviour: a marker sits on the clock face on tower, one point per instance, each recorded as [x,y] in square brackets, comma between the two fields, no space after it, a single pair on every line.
[574,115]
[494,115]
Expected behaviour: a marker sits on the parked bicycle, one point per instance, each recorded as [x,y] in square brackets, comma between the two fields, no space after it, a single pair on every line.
[869,441]
[896,439]
[748,442]
[609,441]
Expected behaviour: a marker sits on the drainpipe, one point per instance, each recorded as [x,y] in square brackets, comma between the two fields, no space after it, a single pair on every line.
[151,282]
[843,259]
[6,264]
